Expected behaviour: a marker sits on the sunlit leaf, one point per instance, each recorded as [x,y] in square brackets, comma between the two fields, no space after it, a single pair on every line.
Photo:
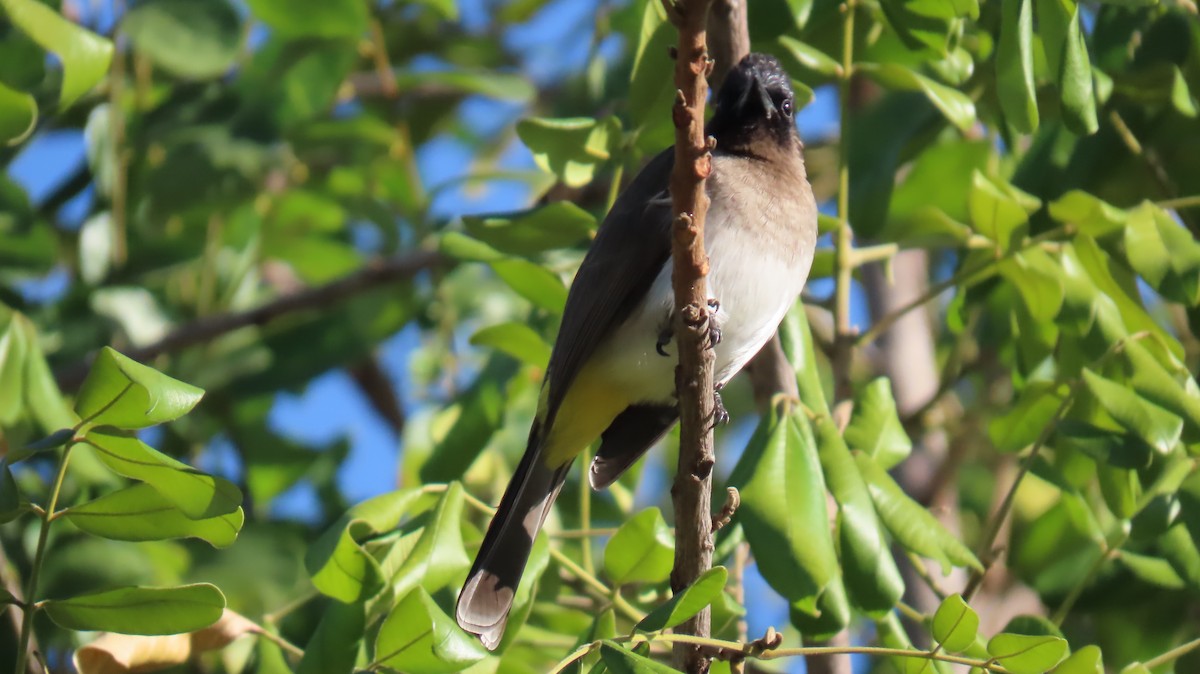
[417,637]
[313,18]
[140,610]
[955,105]
[196,494]
[620,661]
[84,55]
[875,426]
[1024,654]
[517,340]
[570,148]
[141,513]
[1014,66]
[1156,426]
[687,603]
[955,624]
[641,551]
[794,549]
[184,37]
[18,115]
[124,393]
[910,524]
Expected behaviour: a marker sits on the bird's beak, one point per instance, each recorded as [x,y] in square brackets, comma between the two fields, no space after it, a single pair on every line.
[765,98]
[756,93]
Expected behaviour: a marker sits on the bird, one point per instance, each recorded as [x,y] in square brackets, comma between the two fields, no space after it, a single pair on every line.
[610,375]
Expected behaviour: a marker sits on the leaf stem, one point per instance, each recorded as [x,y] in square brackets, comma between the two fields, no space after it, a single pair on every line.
[31,586]
[739,649]
[596,584]
[931,293]
[1001,514]
[843,342]
[1173,654]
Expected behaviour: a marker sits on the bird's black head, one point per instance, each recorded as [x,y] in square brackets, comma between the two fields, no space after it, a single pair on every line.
[755,106]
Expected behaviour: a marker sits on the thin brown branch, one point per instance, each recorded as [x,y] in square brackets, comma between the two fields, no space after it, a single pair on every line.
[728,37]
[372,275]
[692,491]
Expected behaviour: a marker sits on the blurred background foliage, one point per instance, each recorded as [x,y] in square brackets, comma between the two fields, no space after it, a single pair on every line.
[352,223]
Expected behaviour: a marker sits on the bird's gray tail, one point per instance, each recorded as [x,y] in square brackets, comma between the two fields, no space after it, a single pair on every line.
[487,596]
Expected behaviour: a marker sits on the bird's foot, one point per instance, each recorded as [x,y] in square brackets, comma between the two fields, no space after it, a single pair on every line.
[664,338]
[714,327]
[707,322]
[720,415]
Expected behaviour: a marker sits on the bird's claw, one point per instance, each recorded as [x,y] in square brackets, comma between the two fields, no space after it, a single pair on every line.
[720,415]
[714,328]
[664,338]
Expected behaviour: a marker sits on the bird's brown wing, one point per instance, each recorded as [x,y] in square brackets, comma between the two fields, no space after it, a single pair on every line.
[631,246]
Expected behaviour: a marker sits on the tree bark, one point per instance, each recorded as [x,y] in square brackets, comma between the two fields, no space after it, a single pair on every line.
[692,491]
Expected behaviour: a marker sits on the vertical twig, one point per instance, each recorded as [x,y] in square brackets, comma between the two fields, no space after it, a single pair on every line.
[843,337]
[120,156]
[692,491]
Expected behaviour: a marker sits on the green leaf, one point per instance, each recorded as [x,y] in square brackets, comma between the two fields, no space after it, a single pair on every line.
[517,340]
[1109,447]
[12,373]
[1034,276]
[1144,246]
[438,558]
[910,524]
[10,495]
[1021,424]
[809,57]
[793,547]
[333,647]
[1087,212]
[140,610]
[184,37]
[18,115]
[875,427]
[1024,654]
[462,247]
[339,566]
[198,495]
[124,393]
[140,513]
[999,211]
[418,638]
[955,625]
[1158,427]
[1153,570]
[571,148]
[642,550]
[45,402]
[954,104]
[1014,66]
[687,603]
[489,83]
[558,225]
[313,18]
[1067,57]
[925,26]
[620,661]
[649,101]
[1154,383]
[1135,668]
[872,578]
[1121,490]
[84,55]
[533,282]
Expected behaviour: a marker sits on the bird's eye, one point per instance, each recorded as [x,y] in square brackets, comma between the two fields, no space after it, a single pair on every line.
[786,107]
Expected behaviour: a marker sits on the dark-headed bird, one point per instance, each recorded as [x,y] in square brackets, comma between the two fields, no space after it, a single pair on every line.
[609,376]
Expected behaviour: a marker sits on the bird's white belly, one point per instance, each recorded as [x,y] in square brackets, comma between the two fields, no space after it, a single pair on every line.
[753,280]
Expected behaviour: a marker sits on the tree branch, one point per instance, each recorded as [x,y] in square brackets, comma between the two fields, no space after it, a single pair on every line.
[692,491]
[372,275]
